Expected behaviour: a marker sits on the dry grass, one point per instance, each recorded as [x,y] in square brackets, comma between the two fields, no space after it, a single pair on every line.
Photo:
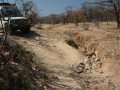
[99,44]
[17,69]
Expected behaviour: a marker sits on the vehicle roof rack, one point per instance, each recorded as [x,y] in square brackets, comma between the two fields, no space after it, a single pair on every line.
[4,4]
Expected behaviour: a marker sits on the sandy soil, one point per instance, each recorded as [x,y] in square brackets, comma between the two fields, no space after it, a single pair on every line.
[53,53]
[60,59]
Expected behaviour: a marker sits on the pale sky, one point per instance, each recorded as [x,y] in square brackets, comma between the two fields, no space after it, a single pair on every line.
[46,7]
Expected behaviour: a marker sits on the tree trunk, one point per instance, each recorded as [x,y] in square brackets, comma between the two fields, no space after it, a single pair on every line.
[76,22]
[118,20]
[118,24]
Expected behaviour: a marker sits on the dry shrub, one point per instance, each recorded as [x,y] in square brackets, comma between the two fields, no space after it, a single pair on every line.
[71,33]
[85,26]
[38,26]
[17,71]
[97,24]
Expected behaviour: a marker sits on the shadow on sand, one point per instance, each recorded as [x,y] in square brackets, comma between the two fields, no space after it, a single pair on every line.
[31,34]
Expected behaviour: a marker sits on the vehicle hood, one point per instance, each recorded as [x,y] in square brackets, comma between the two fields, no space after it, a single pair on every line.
[14,18]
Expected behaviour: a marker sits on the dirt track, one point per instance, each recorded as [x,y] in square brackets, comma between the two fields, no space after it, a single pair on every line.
[60,59]
[55,55]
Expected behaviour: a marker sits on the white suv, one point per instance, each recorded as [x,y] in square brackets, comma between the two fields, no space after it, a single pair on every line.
[12,20]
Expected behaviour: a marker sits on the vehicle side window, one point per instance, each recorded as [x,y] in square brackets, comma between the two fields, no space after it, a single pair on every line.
[1,13]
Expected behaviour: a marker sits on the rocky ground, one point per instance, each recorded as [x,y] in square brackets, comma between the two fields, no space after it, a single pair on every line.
[74,58]
[18,71]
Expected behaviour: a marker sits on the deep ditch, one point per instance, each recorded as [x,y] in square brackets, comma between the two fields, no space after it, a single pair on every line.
[83,72]
[18,71]
[89,73]
[89,64]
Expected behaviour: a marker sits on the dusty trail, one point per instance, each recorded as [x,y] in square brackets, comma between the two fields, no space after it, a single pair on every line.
[56,56]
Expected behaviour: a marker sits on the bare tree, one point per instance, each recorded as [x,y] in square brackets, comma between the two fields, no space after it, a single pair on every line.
[115,5]
[26,6]
[28,9]
[2,1]
[68,13]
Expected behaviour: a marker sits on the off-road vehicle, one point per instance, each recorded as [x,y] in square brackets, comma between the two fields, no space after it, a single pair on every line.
[12,20]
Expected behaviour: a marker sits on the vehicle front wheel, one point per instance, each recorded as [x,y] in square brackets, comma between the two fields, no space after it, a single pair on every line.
[26,30]
[9,29]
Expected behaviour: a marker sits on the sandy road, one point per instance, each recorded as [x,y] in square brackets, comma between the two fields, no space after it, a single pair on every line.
[55,55]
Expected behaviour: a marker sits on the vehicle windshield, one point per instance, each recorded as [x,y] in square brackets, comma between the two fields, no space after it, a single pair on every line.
[11,12]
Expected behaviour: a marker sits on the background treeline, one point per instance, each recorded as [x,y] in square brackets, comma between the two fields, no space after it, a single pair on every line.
[98,10]
[87,13]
